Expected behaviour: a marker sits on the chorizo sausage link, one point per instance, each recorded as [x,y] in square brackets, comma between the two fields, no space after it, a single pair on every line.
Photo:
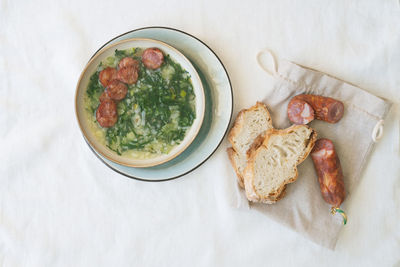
[329,170]
[325,108]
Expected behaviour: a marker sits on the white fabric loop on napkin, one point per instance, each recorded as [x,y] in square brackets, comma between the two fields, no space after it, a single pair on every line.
[266,55]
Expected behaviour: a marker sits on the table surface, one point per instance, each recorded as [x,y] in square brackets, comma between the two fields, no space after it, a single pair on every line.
[60,206]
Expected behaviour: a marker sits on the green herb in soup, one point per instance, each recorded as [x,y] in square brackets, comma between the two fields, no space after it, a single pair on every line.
[140,101]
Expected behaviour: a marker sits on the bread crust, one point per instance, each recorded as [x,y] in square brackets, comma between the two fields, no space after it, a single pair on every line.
[248,176]
[231,155]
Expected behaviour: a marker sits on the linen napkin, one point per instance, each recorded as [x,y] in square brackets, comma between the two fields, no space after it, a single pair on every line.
[303,208]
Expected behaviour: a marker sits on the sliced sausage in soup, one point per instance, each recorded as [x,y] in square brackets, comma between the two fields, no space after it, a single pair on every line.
[152,58]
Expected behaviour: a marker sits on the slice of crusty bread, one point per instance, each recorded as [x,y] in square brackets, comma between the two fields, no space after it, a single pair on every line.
[274,164]
[247,133]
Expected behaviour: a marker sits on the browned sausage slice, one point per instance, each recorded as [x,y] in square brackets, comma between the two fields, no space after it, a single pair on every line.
[330,176]
[300,112]
[107,75]
[104,96]
[128,62]
[117,90]
[106,113]
[325,108]
[128,75]
[152,58]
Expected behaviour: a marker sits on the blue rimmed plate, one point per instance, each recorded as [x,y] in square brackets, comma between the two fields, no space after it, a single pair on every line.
[218,109]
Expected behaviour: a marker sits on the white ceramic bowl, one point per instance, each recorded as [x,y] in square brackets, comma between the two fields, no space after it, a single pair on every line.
[82,114]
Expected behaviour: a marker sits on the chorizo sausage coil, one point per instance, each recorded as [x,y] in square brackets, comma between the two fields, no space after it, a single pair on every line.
[330,175]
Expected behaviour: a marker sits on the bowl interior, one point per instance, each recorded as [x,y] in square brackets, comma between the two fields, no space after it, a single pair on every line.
[84,119]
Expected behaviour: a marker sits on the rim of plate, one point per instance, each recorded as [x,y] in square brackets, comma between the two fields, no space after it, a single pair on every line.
[167,157]
[227,127]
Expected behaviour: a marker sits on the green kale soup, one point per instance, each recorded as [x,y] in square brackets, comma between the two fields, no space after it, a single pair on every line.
[154,109]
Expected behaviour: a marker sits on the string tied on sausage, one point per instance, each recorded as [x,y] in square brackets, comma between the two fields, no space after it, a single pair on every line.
[341,212]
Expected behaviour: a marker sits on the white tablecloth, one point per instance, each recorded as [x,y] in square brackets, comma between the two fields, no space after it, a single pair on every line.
[60,206]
